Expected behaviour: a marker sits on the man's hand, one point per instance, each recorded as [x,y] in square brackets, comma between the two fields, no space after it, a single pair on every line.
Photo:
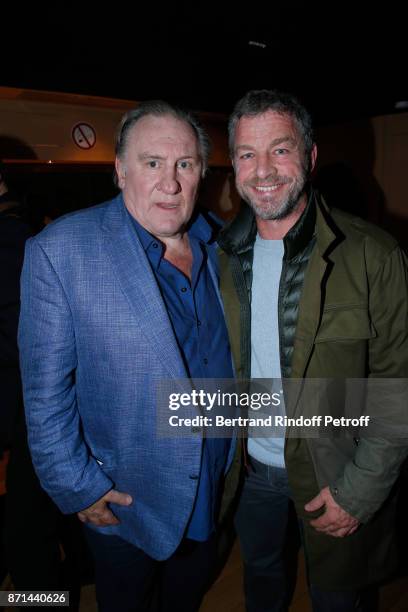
[100,514]
[334,521]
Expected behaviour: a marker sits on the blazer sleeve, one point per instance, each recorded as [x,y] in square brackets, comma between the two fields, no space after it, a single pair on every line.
[367,480]
[48,359]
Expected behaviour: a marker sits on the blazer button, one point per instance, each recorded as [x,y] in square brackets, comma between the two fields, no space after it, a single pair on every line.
[194,476]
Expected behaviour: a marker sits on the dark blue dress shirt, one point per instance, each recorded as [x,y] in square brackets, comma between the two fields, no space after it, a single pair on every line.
[198,322]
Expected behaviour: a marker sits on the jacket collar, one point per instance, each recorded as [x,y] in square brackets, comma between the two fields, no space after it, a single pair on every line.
[299,236]
[239,235]
[328,233]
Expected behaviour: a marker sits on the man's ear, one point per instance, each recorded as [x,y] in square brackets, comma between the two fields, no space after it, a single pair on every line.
[120,172]
[313,157]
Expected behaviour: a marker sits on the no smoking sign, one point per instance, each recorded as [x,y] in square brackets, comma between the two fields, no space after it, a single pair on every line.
[83,135]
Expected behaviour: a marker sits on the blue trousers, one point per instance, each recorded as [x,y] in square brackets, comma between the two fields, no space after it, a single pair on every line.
[128,580]
[262,523]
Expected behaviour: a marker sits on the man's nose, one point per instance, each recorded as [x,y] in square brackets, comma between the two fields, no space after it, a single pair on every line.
[265,166]
[168,183]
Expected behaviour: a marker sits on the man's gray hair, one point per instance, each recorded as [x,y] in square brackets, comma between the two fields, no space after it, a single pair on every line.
[257,102]
[159,108]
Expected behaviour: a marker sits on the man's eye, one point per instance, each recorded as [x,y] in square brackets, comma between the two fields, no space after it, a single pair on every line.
[281,151]
[246,156]
[153,163]
[184,165]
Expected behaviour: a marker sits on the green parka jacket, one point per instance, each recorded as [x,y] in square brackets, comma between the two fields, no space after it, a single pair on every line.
[352,323]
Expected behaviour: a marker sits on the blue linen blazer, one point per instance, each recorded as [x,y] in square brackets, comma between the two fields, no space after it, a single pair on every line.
[95,339]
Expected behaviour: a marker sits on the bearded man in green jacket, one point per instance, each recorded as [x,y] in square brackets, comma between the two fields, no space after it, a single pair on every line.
[311,293]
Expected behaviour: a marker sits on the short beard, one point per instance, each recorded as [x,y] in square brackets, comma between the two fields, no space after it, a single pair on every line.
[287,206]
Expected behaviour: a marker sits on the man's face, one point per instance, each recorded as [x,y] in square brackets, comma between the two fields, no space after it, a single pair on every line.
[159,174]
[271,168]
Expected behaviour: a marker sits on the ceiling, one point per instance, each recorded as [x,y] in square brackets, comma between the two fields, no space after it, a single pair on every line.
[343,62]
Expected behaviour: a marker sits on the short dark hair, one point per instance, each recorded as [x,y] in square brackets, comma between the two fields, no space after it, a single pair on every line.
[257,102]
[159,108]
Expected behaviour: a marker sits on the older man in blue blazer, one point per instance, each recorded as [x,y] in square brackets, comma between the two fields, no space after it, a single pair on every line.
[116,298]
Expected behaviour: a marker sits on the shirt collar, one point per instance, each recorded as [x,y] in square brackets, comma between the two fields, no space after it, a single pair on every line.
[199,229]
[145,237]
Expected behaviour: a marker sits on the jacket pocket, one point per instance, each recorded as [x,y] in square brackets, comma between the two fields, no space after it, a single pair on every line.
[345,323]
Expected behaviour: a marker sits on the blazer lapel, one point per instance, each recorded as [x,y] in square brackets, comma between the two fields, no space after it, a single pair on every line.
[139,285]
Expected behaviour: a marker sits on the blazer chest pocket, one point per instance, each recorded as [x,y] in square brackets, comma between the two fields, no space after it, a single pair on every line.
[345,323]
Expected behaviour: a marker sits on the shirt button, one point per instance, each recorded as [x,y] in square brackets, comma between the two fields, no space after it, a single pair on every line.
[205,360]
[198,323]
[183,289]
[155,245]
